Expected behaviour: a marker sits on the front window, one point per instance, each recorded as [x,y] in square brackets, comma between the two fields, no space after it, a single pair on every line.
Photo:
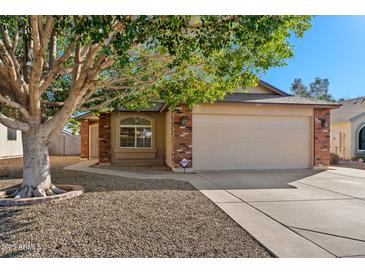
[11,134]
[135,132]
[362,139]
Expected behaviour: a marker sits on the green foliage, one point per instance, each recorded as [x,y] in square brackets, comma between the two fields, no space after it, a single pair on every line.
[299,89]
[200,58]
[73,125]
[318,89]
[358,157]
[9,112]
[334,159]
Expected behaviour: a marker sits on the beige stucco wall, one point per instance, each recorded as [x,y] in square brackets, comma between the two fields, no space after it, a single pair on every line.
[168,138]
[158,137]
[344,138]
[341,139]
[10,148]
[258,89]
[356,124]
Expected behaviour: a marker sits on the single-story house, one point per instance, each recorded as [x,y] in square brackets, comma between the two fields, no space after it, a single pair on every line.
[260,128]
[10,143]
[348,129]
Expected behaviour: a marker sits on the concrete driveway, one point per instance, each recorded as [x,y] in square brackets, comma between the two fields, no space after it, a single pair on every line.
[300,213]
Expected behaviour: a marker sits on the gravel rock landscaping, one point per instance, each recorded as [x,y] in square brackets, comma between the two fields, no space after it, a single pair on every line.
[119,217]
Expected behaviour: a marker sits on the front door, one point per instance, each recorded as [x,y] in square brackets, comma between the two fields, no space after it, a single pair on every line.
[94,141]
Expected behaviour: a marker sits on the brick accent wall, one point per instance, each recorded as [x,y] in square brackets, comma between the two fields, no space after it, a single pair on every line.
[84,133]
[105,138]
[321,137]
[181,130]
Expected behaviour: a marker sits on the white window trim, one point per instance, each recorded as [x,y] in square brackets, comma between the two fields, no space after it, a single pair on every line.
[358,139]
[135,132]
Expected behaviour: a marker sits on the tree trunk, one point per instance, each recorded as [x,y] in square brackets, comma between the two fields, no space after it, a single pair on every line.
[36,169]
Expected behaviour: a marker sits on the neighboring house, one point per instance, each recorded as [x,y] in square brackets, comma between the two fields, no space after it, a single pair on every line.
[10,143]
[348,129]
[263,128]
[65,144]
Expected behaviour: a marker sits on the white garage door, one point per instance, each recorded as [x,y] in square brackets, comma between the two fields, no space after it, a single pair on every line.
[250,142]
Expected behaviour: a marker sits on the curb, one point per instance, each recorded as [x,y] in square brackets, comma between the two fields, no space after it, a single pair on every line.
[72,191]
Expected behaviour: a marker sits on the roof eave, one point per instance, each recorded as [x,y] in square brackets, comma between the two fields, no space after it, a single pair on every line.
[85,117]
[274,89]
[331,106]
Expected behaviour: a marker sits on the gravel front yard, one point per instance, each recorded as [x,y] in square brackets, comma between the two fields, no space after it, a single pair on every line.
[120,217]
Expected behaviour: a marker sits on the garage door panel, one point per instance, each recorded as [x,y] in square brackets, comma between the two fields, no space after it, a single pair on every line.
[260,148]
[250,142]
[209,163]
[223,121]
[229,134]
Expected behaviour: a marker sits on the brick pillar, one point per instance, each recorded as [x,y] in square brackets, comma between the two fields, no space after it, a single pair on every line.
[105,142]
[321,137]
[84,133]
[181,130]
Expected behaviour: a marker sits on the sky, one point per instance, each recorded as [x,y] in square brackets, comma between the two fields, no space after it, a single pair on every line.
[333,48]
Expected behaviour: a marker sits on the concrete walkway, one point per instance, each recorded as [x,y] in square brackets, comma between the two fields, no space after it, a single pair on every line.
[301,213]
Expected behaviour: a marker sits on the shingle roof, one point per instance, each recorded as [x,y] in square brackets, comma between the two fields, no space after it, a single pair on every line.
[241,97]
[154,107]
[350,109]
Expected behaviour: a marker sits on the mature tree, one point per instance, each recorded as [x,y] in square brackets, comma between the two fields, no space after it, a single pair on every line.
[299,89]
[318,89]
[52,66]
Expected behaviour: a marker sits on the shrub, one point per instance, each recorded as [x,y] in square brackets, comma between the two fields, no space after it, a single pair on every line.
[334,159]
[357,158]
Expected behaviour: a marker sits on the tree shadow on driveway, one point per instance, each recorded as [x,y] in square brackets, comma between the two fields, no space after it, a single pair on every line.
[257,179]
[105,183]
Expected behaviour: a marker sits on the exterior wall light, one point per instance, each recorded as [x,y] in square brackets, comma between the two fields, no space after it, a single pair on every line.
[324,123]
[184,121]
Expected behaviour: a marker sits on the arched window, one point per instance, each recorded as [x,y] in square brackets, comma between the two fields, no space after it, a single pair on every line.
[362,138]
[135,132]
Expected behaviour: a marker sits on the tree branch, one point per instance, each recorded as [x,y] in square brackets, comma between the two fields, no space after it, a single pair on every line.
[15,105]
[17,125]
[105,103]
[55,69]
[11,66]
[51,103]
[52,50]
[35,77]
[88,72]
[35,33]
[48,31]
[77,65]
